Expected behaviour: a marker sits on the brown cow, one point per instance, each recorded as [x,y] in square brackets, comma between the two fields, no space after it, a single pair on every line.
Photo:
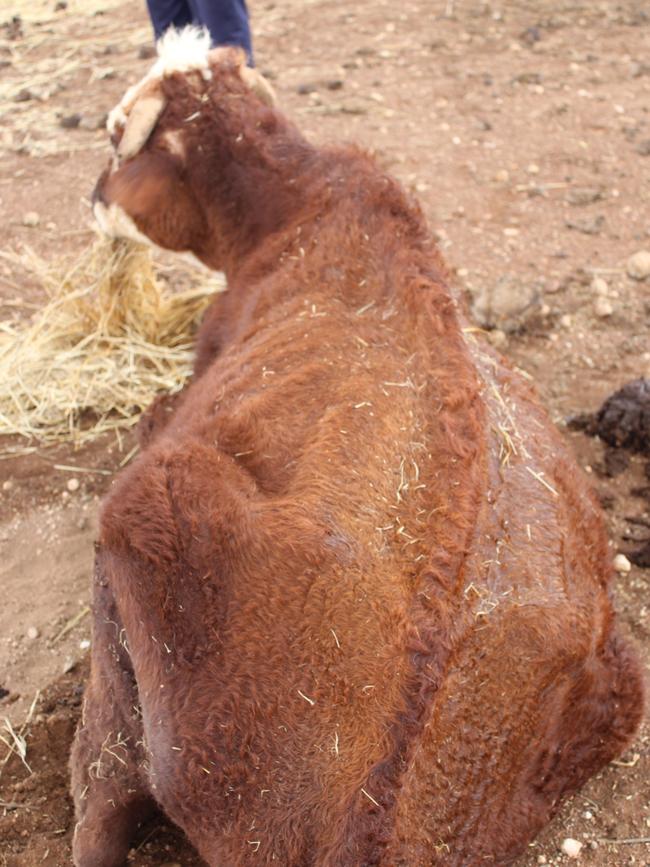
[351,602]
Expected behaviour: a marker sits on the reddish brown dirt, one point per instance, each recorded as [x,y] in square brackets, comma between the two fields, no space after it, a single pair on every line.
[495,114]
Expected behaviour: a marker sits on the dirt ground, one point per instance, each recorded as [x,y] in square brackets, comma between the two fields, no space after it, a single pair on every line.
[524,129]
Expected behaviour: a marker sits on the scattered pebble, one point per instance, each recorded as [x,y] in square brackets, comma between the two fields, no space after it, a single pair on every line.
[84,644]
[639,69]
[638,265]
[24,95]
[146,52]
[105,74]
[32,633]
[7,485]
[571,847]
[622,564]
[602,308]
[70,121]
[72,485]
[508,304]
[530,36]
[31,219]
[93,122]
[498,338]
[588,225]
[584,195]
[599,286]
[353,107]
[68,665]
[643,148]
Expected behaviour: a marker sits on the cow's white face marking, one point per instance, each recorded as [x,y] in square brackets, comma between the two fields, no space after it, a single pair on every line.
[116,223]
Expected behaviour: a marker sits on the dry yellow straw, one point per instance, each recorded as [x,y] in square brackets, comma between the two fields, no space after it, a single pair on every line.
[97,353]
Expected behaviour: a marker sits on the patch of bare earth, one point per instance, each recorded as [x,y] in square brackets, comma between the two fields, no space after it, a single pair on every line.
[524,129]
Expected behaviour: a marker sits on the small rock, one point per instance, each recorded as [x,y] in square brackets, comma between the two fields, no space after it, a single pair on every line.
[146,52]
[588,226]
[571,847]
[31,219]
[531,35]
[639,69]
[13,28]
[622,564]
[61,5]
[84,644]
[599,287]
[70,121]
[541,859]
[502,176]
[32,633]
[584,195]
[506,305]
[3,692]
[68,665]
[498,338]
[7,485]
[566,321]
[93,122]
[638,265]
[72,485]
[528,78]
[305,89]
[643,148]
[23,95]
[603,308]
[353,108]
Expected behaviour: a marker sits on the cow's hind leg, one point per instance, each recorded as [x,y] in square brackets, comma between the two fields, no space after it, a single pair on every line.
[108,782]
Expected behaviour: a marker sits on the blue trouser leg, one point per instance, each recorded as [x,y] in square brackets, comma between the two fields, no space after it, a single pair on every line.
[227,21]
[169,13]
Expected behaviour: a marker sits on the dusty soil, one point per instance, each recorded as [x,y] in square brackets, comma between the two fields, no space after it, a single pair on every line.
[523,127]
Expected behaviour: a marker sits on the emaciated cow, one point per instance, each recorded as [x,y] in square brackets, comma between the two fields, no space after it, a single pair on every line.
[351,602]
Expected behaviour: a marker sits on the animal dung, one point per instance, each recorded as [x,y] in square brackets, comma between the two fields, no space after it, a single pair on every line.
[624,418]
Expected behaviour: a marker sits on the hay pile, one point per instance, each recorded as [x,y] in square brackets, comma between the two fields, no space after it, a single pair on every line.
[97,353]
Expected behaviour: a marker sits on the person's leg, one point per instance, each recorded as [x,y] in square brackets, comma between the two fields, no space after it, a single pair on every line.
[227,21]
[169,13]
